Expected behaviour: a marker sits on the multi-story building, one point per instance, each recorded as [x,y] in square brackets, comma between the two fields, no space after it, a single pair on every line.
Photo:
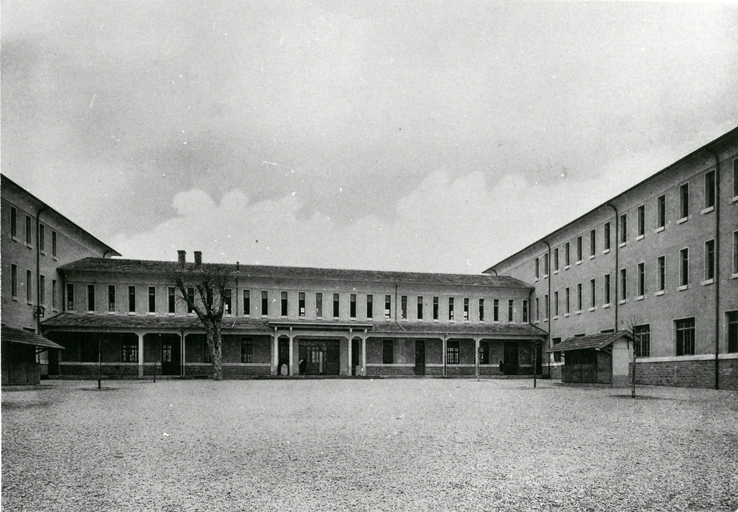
[660,260]
[36,240]
[296,321]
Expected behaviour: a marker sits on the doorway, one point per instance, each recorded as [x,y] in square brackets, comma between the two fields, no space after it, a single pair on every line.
[284,357]
[170,354]
[319,357]
[355,356]
[511,358]
[419,357]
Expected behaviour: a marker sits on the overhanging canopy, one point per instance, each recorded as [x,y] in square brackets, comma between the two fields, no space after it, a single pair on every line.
[27,338]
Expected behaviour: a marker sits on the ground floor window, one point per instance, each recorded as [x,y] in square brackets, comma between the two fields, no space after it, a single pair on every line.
[642,340]
[484,352]
[685,337]
[388,354]
[129,352]
[557,355]
[452,352]
[733,331]
[247,350]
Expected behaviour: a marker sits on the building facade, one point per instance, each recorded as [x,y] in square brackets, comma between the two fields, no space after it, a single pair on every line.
[660,260]
[293,321]
[36,241]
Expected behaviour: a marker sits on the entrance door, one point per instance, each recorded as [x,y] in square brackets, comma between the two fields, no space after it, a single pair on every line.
[511,358]
[321,357]
[284,356]
[53,362]
[355,356]
[419,357]
[170,355]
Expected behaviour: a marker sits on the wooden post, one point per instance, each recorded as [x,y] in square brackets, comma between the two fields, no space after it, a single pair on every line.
[443,349]
[476,356]
[535,364]
[363,354]
[350,341]
[291,364]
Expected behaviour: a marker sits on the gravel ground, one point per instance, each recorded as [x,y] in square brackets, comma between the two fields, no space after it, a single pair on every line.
[427,444]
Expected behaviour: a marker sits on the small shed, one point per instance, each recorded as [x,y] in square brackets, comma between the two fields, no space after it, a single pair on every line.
[598,358]
[19,351]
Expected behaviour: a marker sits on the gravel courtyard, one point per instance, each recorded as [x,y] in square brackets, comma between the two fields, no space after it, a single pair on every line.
[430,444]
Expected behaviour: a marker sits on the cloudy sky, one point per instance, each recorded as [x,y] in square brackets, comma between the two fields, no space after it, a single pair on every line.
[428,136]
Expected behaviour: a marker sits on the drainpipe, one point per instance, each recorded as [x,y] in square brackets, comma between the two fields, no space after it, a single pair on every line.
[38,270]
[548,309]
[717,267]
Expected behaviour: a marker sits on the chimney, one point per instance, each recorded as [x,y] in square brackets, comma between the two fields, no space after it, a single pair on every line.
[181,257]
[238,267]
[198,258]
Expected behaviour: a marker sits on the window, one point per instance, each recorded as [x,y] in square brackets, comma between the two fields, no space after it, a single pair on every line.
[352,305]
[420,308]
[247,302]
[710,189]
[319,305]
[623,228]
[593,293]
[111,298]
[546,304]
[129,352]
[545,265]
[388,352]
[152,299]
[42,291]
[29,286]
[662,273]
[538,268]
[525,311]
[567,301]
[247,350]
[227,301]
[510,310]
[29,233]
[641,279]
[284,304]
[13,223]
[53,244]
[579,248]
[592,242]
[403,307]
[70,297]
[484,352]
[607,236]
[538,309]
[642,340]
[481,310]
[466,309]
[171,296]
[496,310]
[450,308]
[387,306]
[735,252]
[370,306]
[662,211]
[556,304]
[685,337]
[709,260]
[452,352]
[556,259]
[684,267]
[735,177]
[264,303]
[623,284]
[567,255]
[641,220]
[733,331]
[42,238]
[684,201]
[53,293]
[607,288]
[336,305]
[435,308]
[557,355]
[131,299]
[301,304]
[191,300]
[579,297]
[14,280]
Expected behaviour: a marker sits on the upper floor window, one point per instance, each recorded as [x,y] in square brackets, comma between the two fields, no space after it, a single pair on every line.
[131,299]
[567,301]
[556,304]
[623,284]
[264,303]
[370,306]
[607,288]
[641,220]
[684,267]
[709,260]
[171,299]
[641,279]
[710,189]
[111,297]
[735,177]
[450,308]
[662,211]
[301,303]
[285,306]
[53,244]
[592,293]
[735,252]
[525,311]
[545,265]
[662,273]
[496,310]
[190,300]
[538,309]
[29,286]
[579,297]
[579,248]
[592,242]
[403,307]
[13,223]
[152,299]
[567,255]
[684,201]
[435,308]
[42,238]
[336,305]
[510,310]
[352,306]
[607,236]
[556,259]
[481,310]
[227,302]
[70,297]
[14,280]
[623,228]
[29,232]
[42,286]
[538,268]
[420,308]
[53,294]
[319,305]
[466,309]
[388,306]
[247,302]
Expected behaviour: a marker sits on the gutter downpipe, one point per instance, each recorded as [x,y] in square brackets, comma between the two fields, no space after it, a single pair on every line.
[37,312]
[717,267]
[550,313]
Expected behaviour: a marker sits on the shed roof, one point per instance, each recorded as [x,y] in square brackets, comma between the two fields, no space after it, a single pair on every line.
[143,322]
[307,273]
[593,341]
[14,335]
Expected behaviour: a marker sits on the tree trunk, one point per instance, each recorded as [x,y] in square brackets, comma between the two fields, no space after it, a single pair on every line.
[215,345]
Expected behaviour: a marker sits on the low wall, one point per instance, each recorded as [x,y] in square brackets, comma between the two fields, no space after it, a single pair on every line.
[690,374]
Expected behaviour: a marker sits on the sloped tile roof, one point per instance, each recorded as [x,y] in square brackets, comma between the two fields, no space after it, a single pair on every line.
[105,321]
[478,329]
[14,335]
[308,273]
[592,341]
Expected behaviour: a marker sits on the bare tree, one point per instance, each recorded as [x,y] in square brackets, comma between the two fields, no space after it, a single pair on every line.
[630,323]
[203,288]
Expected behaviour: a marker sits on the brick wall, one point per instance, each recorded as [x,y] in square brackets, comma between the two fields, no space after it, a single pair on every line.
[691,374]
